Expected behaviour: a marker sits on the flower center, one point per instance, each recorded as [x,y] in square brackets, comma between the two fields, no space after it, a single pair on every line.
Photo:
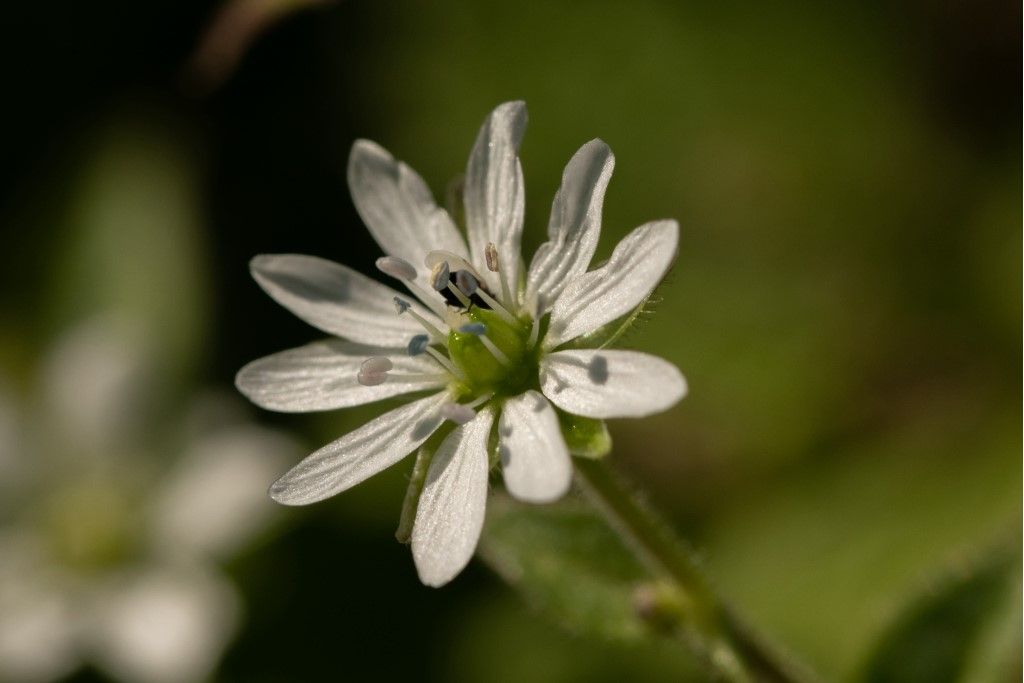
[495,356]
[492,351]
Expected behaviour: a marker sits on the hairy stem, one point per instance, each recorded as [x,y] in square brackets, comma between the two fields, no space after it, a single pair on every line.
[707,625]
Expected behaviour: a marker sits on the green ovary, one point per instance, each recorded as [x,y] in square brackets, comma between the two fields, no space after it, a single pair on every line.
[485,373]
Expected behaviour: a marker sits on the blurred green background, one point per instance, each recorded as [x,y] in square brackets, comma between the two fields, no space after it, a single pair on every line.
[846,304]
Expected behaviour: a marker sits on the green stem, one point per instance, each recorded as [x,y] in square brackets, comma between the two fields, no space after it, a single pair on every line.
[725,644]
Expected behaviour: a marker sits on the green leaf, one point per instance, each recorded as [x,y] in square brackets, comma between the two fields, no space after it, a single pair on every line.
[585,437]
[568,564]
[968,630]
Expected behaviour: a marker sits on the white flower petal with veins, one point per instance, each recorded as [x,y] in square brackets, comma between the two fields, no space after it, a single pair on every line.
[39,625]
[360,454]
[450,514]
[607,383]
[574,226]
[535,460]
[213,502]
[322,376]
[336,299]
[165,625]
[494,194]
[486,352]
[637,265]
[397,206]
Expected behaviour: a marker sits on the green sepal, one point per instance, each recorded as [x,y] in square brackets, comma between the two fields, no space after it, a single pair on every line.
[585,436]
[424,456]
[606,335]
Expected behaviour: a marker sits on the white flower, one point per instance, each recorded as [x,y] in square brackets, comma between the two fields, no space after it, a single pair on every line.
[108,552]
[492,347]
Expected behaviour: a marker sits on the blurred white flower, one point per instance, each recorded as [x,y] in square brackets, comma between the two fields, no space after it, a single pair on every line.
[111,533]
[495,346]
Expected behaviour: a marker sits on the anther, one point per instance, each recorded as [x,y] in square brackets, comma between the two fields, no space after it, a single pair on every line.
[466,282]
[457,413]
[403,306]
[494,265]
[371,379]
[491,256]
[418,344]
[439,275]
[374,371]
[476,329]
[376,364]
[400,269]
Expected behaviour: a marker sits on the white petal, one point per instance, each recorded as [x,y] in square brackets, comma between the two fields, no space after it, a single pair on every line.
[213,503]
[494,191]
[322,376]
[360,454]
[451,510]
[96,381]
[39,616]
[336,299]
[535,460]
[37,638]
[637,265]
[608,383]
[165,625]
[397,206]
[574,226]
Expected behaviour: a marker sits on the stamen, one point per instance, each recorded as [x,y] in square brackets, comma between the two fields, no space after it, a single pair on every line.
[374,371]
[491,256]
[458,413]
[480,399]
[439,275]
[463,299]
[480,331]
[466,282]
[376,364]
[377,370]
[455,262]
[446,363]
[403,306]
[495,351]
[418,344]
[495,306]
[371,379]
[494,265]
[419,377]
[400,269]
